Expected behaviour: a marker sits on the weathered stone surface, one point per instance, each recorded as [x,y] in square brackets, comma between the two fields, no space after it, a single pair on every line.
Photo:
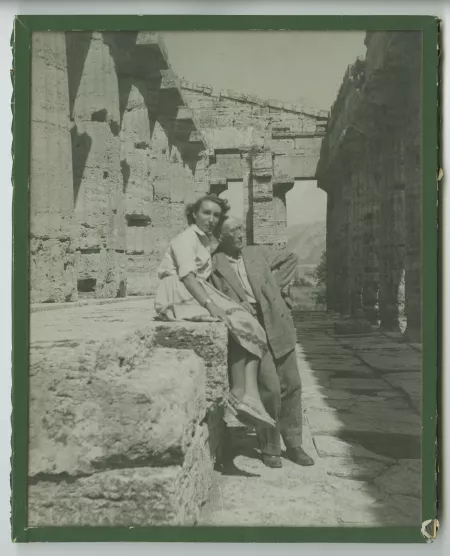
[353,468]
[411,384]
[402,360]
[108,398]
[327,446]
[349,327]
[405,478]
[53,274]
[209,341]
[126,411]
[133,496]
[358,384]
[396,422]
[401,510]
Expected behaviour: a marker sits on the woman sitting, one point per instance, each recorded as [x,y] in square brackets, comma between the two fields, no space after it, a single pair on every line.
[184,294]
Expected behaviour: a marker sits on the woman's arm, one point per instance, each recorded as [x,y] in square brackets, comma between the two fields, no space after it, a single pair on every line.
[197,291]
[194,287]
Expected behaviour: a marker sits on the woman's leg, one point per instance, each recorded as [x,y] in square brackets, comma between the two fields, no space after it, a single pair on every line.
[251,377]
[237,360]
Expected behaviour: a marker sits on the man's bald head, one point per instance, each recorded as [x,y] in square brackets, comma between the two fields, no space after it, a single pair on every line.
[232,234]
[230,224]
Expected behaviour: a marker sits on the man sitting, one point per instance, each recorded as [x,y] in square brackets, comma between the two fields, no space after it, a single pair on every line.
[255,278]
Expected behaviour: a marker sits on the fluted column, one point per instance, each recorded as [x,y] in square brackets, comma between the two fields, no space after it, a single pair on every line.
[53,275]
[371,228]
[392,246]
[98,182]
[331,248]
[413,199]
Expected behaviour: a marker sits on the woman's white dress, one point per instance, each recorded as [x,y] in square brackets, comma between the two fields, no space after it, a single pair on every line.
[188,252]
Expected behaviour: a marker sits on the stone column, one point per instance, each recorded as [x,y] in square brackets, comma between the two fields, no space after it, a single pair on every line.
[280,212]
[371,233]
[391,230]
[342,246]
[331,247]
[98,182]
[264,229]
[135,160]
[355,237]
[52,258]
[413,204]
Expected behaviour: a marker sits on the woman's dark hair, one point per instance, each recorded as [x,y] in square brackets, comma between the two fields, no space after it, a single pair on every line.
[193,208]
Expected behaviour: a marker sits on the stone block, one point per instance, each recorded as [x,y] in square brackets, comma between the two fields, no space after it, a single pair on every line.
[298,167]
[210,343]
[53,271]
[136,496]
[130,409]
[262,165]
[102,273]
[123,430]
[141,274]
[139,240]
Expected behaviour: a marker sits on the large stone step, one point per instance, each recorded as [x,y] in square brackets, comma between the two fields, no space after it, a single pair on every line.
[126,423]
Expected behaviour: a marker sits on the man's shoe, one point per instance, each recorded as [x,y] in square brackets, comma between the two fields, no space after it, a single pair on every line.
[299,456]
[272,461]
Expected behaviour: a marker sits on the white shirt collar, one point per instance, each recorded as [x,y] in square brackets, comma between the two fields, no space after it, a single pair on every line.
[197,230]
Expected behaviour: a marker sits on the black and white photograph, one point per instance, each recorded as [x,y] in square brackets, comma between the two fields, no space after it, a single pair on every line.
[225,240]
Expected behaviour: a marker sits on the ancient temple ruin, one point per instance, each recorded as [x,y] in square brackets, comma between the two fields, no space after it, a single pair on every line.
[120,145]
[370,167]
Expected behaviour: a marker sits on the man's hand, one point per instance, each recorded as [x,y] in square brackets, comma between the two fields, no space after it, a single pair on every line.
[248,307]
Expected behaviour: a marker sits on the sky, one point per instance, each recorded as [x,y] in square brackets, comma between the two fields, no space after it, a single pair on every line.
[291,66]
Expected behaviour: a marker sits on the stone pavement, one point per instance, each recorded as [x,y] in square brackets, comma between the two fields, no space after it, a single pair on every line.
[361,397]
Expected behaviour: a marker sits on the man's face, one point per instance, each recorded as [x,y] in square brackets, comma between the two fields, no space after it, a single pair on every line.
[233,235]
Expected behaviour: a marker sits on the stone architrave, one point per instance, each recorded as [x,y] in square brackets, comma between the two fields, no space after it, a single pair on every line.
[53,273]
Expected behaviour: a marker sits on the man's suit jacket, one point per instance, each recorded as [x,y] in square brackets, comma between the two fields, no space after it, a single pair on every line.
[267,274]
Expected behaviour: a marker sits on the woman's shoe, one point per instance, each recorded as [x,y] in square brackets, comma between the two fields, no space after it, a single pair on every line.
[233,401]
[253,411]
[231,419]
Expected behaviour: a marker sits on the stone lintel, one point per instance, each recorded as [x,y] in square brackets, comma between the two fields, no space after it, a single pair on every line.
[288,134]
[233,95]
[295,166]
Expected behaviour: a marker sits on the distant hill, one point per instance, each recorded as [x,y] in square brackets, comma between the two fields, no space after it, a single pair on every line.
[307,241]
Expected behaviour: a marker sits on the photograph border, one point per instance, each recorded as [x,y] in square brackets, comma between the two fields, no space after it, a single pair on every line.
[24,26]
